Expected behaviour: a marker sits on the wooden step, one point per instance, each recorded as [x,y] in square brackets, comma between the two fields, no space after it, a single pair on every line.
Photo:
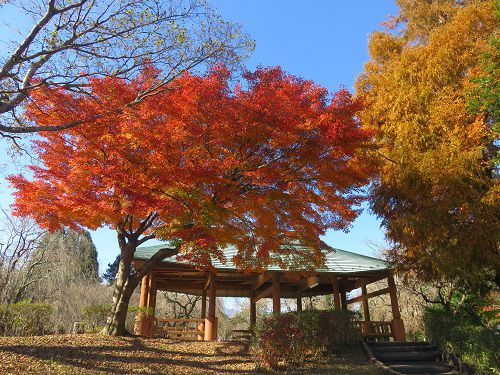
[410,356]
[400,348]
[397,343]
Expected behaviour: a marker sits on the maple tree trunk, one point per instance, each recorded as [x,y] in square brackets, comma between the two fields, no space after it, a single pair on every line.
[124,287]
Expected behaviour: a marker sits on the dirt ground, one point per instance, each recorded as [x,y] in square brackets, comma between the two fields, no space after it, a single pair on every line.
[98,354]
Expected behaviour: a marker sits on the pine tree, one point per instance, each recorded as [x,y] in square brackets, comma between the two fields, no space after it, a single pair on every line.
[110,275]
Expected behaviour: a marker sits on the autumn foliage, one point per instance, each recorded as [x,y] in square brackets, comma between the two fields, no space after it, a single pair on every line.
[438,192]
[258,165]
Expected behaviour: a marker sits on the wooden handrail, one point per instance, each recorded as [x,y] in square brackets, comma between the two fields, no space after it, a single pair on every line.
[180,320]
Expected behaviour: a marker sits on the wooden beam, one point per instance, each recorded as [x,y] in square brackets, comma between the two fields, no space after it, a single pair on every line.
[368,295]
[312,281]
[368,280]
[299,302]
[263,293]
[261,280]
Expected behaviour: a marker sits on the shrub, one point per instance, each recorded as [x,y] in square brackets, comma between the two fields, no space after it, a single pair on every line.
[25,319]
[281,338]
[469,339]
[288,338]
[95,317]
[328,330]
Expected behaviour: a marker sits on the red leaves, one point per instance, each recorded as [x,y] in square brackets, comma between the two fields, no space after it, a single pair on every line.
[255,168]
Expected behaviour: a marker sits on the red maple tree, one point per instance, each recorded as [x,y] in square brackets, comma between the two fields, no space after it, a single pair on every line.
[203,164]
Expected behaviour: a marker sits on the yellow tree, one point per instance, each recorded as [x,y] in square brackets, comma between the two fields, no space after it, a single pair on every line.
[438,190]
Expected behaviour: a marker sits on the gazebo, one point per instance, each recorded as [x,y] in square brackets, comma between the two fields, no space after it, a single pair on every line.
[343,272]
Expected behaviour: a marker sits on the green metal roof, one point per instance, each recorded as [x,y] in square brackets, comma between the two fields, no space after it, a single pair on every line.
[337,261]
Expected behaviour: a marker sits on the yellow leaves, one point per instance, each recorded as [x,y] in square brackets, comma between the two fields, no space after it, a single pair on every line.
[436,193]
[383,46]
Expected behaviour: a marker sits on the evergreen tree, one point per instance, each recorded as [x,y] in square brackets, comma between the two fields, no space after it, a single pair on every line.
[110,275]
[72,250]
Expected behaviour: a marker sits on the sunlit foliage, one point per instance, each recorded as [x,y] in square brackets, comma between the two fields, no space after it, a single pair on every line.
[438,191]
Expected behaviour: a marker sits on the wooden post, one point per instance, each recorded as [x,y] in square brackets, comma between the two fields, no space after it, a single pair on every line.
[203,304]
[299,302]
[276,293]
[336,292]
[143,299]
[366,310]
[141,320]
[343,299]
[253,311]
[203,314]
[398,328]
[211,319]
[151,304]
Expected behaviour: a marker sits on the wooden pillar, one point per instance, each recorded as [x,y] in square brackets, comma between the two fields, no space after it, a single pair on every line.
[211,319]
[336,292]
[343,300]
[299,302]
[151,305]
[143,299]
[203,314]
[398,328]
[143,322]
[203,304]
[276,293]
[366,310]
[253,311]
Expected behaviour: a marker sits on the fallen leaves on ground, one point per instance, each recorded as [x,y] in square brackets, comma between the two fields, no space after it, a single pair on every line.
[99,354]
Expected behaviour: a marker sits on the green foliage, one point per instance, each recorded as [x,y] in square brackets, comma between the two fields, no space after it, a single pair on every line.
[464,334]
[25,319]
[288,338]
[95,317]
[110,275]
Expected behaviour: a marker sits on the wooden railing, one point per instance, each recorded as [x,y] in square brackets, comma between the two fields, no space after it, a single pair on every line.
[180,329]
[242,334]
[375,329]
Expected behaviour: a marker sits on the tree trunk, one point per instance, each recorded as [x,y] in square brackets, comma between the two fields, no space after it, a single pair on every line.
[124,287]
[126,282]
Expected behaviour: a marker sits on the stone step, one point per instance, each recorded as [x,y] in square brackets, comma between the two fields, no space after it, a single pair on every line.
[421,367]
[411,356]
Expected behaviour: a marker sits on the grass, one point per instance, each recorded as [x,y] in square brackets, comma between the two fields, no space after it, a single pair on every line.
[97,354]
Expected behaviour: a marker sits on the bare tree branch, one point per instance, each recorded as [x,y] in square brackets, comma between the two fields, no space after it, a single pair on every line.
[72,42]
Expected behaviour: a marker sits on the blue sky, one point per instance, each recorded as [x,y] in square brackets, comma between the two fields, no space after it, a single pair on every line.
[322,40]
